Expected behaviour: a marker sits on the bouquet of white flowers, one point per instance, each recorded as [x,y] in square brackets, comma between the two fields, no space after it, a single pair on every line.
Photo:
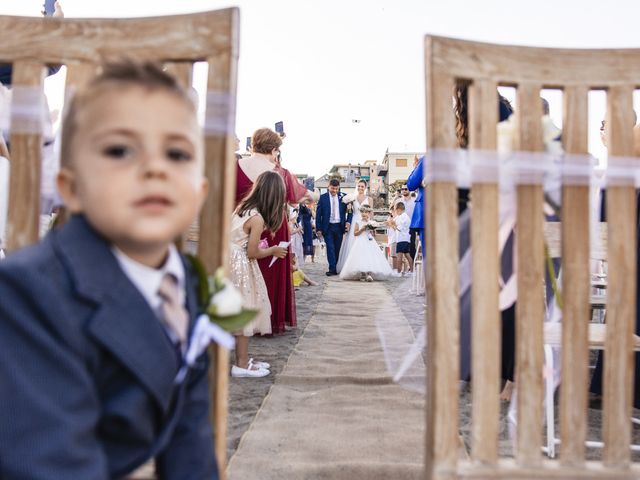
[349,198]
[348,201]
[371,225]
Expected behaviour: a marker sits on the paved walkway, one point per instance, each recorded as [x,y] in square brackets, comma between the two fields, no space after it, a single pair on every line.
[333,412]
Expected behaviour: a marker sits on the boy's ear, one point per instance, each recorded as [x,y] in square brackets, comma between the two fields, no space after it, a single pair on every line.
[66,183]
[204,191]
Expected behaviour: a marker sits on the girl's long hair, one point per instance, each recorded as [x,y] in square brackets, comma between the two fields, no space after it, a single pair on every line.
[461,107]
[268,196]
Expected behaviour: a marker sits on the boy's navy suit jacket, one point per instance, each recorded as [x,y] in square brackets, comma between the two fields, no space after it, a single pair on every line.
[87,371]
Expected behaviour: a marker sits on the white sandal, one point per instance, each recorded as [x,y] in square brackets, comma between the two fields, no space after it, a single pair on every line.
[263,365]
[248,372]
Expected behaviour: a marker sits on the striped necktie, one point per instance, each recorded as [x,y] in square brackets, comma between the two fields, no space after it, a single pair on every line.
[174,315]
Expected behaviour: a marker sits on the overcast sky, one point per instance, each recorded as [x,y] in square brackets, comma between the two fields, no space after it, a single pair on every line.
[318,65]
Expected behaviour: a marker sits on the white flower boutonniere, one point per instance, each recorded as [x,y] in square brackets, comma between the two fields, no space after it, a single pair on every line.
[227,301]
[220,299]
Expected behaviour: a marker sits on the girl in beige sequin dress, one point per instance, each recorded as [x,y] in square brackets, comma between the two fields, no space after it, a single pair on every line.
[263,209]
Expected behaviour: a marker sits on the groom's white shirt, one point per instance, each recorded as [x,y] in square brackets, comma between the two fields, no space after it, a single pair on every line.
[335,208]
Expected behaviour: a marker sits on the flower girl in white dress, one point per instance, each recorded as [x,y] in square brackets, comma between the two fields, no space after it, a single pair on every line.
[365,261]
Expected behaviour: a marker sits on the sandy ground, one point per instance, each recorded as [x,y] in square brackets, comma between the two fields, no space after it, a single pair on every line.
[246,394]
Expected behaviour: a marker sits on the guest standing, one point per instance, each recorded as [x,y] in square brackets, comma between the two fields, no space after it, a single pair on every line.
[265,157]
[295,230]
[304,219]
[414,182]
[410,205]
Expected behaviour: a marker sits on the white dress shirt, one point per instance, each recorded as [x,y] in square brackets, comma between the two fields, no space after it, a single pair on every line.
[335,208]
[147,280]
[409,205]
[402,224]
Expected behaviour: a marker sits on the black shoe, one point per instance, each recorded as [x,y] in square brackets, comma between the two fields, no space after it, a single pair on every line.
[331,274]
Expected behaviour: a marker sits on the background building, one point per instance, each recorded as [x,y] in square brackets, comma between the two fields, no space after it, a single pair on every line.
[348,174]
[396,168]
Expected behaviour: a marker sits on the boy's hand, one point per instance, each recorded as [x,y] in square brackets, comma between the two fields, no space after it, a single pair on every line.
[279,252]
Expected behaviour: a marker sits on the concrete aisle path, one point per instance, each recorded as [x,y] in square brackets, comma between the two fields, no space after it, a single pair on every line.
[333,412]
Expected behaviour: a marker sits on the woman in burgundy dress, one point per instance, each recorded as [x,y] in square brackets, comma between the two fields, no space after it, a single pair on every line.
[265,145]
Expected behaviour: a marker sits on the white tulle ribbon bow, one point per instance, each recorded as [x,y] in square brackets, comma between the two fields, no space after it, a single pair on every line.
[203,334]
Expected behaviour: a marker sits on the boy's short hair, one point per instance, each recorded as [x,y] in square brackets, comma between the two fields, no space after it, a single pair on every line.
[365,209]
[400,206]
[334,182]
[264,140]
[119,74]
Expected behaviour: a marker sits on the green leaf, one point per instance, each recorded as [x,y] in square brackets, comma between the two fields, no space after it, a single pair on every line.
[234,323]
[204,295]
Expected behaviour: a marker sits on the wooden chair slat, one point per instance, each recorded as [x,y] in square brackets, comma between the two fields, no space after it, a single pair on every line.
[486,326]
[530,307]
[183,71]
[443,303]
[213,245]
[575,287]
[507,469]
[549,67]
[621,301]
[166,38]
[23,218]
[78,75]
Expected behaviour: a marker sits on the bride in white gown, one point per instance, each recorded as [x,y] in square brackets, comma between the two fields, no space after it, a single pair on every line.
[359,199]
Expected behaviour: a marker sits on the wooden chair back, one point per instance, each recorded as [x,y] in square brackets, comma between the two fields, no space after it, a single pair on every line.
[82,45]
[483,67]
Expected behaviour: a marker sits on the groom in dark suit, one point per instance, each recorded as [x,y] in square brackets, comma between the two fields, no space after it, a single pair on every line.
[332,221]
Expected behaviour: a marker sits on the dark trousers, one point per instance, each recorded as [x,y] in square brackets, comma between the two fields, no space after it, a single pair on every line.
[412,242]
[333,239]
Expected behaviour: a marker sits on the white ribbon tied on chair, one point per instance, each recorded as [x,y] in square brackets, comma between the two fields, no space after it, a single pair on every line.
[203,334]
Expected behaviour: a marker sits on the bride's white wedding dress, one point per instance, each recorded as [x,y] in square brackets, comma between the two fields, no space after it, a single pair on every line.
[347,240]
[365,256]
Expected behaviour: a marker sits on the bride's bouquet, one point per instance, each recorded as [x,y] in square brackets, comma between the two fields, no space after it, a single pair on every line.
[348,201]
[349,198]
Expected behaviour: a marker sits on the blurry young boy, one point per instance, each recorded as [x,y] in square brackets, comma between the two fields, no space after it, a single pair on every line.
[401,223]
[94,320]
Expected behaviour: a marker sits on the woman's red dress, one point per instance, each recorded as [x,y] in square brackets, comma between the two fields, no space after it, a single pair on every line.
[278,277]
